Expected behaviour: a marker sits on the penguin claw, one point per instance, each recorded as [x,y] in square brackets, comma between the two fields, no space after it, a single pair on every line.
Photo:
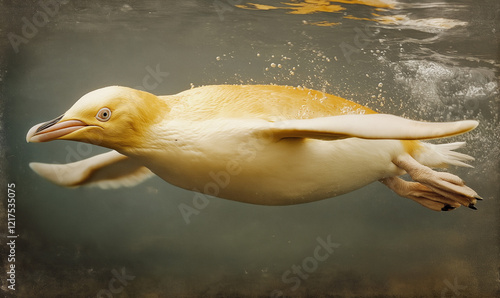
[478,198]
[447,208]
[471,206]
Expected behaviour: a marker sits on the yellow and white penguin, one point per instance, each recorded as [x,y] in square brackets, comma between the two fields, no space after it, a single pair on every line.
[262,144]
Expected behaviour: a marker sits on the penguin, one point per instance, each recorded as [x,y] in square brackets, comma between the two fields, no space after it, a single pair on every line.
[258,144]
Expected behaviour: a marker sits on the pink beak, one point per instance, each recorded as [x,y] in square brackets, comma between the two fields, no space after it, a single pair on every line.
[52,130]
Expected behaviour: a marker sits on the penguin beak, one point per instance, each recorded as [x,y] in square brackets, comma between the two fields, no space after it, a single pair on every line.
[53,130]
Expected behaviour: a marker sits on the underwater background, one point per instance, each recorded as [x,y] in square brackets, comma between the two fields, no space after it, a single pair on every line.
[425,60]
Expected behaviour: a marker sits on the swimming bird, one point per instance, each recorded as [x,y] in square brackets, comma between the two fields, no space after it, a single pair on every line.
[259,144]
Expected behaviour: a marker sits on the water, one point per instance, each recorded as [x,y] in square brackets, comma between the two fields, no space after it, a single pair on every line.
[434,61]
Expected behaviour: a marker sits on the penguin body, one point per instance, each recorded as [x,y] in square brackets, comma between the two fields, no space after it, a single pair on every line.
[264,144]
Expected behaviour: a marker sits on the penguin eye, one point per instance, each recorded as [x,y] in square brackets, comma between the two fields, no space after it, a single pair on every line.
[103,115]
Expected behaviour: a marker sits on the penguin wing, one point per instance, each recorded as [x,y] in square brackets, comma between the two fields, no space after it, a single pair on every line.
[371,126]
[107,170]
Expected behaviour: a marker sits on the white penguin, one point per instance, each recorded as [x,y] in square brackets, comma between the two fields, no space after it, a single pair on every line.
[262,144]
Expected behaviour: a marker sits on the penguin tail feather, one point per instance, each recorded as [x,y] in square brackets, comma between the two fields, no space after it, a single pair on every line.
[442,155]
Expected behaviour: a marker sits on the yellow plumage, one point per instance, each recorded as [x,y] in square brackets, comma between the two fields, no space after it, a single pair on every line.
[263,144]
[267,102]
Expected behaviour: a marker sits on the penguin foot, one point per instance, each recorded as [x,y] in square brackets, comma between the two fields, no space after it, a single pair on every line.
[440,183]
[421,194]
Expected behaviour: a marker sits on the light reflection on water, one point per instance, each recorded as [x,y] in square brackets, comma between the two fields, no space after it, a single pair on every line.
[431,61]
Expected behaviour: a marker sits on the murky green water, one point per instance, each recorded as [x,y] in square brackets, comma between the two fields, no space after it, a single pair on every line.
[434,61]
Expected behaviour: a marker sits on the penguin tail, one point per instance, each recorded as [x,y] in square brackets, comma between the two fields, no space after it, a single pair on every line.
[442,155]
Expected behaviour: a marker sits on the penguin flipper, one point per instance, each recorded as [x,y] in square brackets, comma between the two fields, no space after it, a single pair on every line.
[370,126]
[107,170]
